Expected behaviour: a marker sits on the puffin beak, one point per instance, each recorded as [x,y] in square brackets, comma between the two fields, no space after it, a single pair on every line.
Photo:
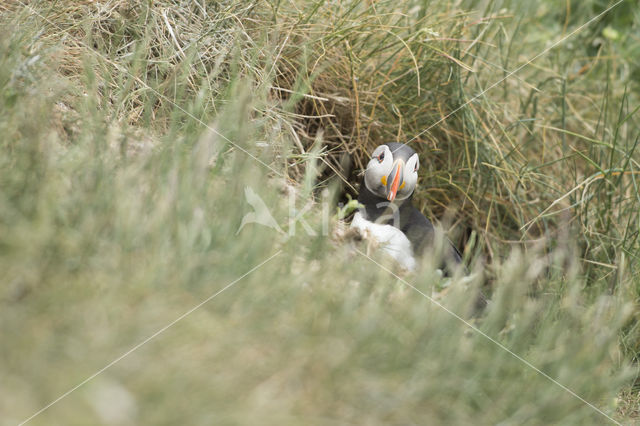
[395,179]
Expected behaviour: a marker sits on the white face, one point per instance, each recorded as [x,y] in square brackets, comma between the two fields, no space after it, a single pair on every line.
[390,177]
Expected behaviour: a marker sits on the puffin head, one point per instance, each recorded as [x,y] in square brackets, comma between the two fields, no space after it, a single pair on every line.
[392,172]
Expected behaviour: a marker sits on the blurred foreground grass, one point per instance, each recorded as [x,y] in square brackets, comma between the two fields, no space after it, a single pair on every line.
[124,133]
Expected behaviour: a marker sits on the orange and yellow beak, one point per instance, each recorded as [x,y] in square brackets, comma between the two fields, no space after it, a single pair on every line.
[396,180]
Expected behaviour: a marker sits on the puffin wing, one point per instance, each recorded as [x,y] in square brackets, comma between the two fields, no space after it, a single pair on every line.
[421,233]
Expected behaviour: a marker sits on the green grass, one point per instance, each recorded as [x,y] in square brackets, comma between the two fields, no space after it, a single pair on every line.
[128,135]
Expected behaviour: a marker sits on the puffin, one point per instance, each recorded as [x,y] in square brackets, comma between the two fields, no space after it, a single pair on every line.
[387,213]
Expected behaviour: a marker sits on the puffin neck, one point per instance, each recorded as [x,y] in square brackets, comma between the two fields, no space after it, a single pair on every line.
[376,206]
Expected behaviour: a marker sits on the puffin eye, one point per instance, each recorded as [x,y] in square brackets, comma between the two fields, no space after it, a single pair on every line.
[381,157]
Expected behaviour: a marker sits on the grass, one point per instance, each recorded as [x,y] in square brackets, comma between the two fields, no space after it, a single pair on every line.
[130,131]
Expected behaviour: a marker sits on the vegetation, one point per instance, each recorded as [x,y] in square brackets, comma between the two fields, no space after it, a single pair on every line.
[130,132]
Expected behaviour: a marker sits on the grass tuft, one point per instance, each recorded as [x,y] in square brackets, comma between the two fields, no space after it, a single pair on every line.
[132,135]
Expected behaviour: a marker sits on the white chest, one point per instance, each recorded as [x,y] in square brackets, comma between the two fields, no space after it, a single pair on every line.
[392,240]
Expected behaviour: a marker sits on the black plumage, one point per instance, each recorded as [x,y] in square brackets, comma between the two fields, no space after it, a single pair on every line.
[404,215]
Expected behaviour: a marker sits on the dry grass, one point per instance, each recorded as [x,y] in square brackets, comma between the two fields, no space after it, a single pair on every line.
[359,74]
[545,162]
